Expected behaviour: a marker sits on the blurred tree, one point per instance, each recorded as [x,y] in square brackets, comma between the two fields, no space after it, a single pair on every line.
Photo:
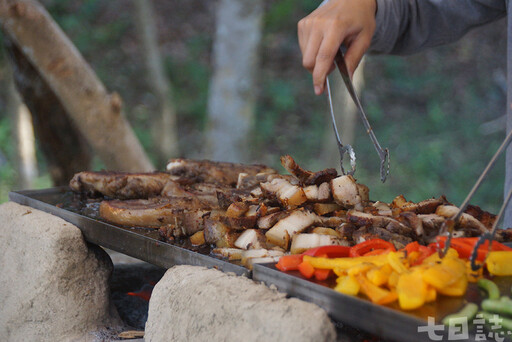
[165,131]
[64,148]
[232,95]
[96,113]
[26,162]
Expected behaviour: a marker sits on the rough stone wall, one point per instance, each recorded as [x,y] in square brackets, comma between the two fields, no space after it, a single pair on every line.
[53,286]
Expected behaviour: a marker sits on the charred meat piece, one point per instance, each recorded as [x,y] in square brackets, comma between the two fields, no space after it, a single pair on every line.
[347,193]
[182,213]
[429,206]
[226,197]
[366,233]
[268,221]
[466,221]
[213,172]
[120,185]
[486,218]
[218,234]
[249,182]
[306,177]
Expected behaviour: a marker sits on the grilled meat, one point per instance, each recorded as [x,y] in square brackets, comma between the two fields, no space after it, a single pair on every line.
[236,207]
[306,177]
[205,171]
[185,214]
[121,185]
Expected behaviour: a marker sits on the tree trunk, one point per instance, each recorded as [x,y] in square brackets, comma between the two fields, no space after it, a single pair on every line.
[62,144]
[23,131]
[232,88]
[346,110]
[96,113]
[165,132]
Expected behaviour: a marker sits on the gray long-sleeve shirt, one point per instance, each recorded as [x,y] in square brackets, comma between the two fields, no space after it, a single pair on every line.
[408,26]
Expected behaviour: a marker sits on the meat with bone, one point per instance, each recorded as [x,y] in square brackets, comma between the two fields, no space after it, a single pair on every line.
[183,213]
[120,185]
[306,177]
[205,171]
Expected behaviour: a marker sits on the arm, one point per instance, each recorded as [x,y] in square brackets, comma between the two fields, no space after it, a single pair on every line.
[403,26]
[407,26]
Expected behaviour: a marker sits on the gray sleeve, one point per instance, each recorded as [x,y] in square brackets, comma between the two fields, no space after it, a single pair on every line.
[407,26]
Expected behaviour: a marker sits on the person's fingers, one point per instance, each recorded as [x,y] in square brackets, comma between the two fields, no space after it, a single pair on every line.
[325,59]
[302,34]
[356,51]
[310,53]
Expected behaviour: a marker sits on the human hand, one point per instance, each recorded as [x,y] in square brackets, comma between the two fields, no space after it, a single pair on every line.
[323,31]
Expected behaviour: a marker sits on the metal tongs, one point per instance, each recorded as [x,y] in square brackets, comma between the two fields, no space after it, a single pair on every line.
[383,153]
[449,225]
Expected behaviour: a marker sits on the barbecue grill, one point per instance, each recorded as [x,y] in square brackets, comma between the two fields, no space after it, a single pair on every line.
[385,321]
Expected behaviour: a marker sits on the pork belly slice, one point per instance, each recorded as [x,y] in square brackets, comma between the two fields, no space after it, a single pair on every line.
[325,208]
[213,172]
[218,234]
[324,192]
[287,194]
[231,254]
[295,223]
[302,242]
[466,221]
[326,231]
[347,193]
[179,212]
[120,185]
[251,239]
[237,209]
[306,177]
[410,219]
[252,256]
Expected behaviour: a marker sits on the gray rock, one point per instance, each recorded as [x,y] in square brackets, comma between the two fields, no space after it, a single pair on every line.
[193,303]
[53,286]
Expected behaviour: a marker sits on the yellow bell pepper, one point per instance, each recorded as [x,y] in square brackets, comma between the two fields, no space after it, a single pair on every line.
[379,275]
[360,268]
[375,293]
[332,263]
[473,276]
[347,285]
[412,290]
[431,294]
[393,279]
[458,288]
[499,263]
[395,260]
[446,273]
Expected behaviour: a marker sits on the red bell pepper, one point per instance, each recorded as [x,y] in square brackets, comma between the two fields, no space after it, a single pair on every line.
[289,262]
[322,274]
[306,269]
[331,251]
[370,245]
